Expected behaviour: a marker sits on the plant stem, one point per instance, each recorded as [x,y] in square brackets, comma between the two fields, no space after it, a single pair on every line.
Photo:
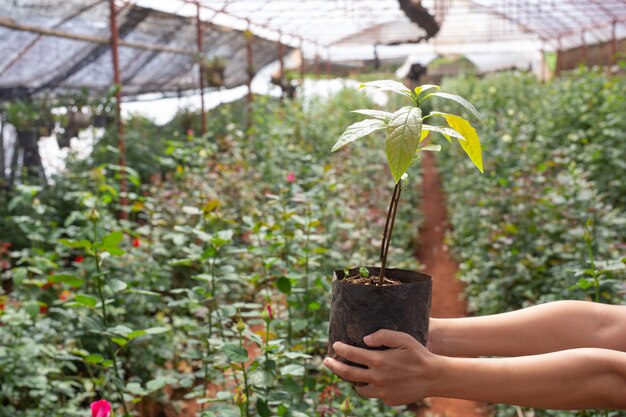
[245,379]
[106,320]
[391,219]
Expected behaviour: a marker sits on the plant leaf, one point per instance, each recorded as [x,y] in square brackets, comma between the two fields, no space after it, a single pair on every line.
[459,100]
[235,353]
[86,300]
[292,370]
[403,135]
[425,87]
[387,85]
[357,131]
[71,280]
[432,148]
[375,114]
[445,131]
[471,144]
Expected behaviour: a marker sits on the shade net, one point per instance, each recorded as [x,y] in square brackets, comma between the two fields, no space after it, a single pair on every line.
[35,64]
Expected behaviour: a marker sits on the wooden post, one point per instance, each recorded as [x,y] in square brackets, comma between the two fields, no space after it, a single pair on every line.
[121,144]
[201,69]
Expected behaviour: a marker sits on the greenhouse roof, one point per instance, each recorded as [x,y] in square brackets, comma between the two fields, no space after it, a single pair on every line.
[57,46]
[158,38]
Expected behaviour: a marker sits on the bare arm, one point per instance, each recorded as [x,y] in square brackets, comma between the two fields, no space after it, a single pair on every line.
[539,329]
[408,372]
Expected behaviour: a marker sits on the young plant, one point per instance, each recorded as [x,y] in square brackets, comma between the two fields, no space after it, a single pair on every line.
[405,131]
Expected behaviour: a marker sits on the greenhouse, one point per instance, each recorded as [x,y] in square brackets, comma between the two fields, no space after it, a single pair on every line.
[322,208]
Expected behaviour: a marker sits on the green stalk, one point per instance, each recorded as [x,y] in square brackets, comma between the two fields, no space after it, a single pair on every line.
[245,379]
[391,219]
[106,320]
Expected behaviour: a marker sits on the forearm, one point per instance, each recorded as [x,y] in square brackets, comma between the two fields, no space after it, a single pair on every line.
[572,379]
[540,329]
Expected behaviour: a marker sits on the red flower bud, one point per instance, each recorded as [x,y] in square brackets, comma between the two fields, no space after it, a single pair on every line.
[136,242]
[100,408]
[79,259]
[291,177]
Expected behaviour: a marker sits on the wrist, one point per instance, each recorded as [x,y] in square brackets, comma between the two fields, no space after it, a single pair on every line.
[438,368]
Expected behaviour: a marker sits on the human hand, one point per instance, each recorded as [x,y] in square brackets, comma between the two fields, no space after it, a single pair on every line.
[400,375]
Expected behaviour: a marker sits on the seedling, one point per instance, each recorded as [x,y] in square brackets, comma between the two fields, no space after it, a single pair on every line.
[405,131]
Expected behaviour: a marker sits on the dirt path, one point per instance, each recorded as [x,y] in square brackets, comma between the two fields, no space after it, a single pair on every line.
[448,298]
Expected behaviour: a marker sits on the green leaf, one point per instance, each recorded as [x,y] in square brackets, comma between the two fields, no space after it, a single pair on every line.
[459,100]
[117,285]
[375,114]
[471,144]
[71,280]
[445,131]
[284,285]
[431,148]
[112,239]
[357,131]
[119,341]
[403,135]
[94,358]
[156,330]
[32,308]
[292,370]
[262,409]
[76,243]
[86,300]
[424,88]
[387,85]
[135,334]
[235,353]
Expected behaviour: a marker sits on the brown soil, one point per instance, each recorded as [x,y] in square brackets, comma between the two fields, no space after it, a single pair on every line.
[370,281]
[448,300]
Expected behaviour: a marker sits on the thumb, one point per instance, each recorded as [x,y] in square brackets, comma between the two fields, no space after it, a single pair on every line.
[389,338]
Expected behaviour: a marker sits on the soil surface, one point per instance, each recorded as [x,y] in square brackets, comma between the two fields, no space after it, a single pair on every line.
[370,281]
[448,299]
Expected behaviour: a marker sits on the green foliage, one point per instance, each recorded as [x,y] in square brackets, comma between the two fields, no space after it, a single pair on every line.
[551,225]
[404,127]
[229,224]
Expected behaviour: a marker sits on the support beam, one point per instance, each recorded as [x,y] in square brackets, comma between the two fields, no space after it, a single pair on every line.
[613,44]
[200,70]
[121,145]
[11,24]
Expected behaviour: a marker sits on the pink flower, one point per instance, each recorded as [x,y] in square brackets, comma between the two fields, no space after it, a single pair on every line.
[291,177]
[101,408]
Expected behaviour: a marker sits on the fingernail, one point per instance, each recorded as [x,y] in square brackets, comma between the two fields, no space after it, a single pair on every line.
[367,339]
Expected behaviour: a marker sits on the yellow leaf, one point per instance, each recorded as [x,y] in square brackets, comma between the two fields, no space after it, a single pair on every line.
[423,134]
[471,144]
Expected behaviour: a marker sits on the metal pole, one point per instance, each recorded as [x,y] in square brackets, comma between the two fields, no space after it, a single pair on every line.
[200,69]
[559,50]
[301,62]
[121,145]
[281,61]
[249,36]
[317,62]
[583,47]
[328,68]
[613,45]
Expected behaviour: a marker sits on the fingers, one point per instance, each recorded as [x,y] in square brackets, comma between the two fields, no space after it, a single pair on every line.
[355,354]
[347,372]
[389,338]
